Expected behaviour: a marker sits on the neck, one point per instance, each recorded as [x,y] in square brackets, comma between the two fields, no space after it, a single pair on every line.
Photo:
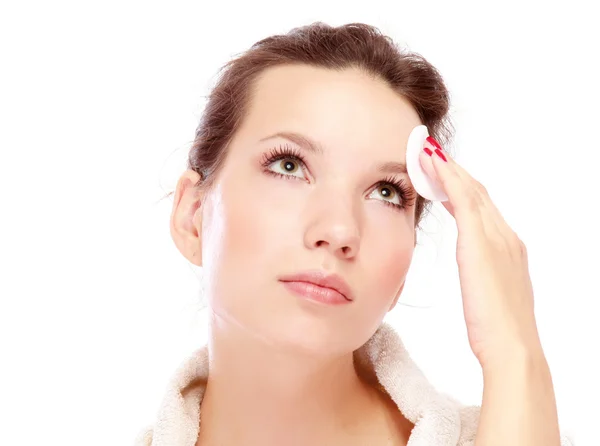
[258,393]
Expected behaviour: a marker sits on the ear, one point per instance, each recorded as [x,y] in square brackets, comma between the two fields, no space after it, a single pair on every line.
[395,301]
[186,217]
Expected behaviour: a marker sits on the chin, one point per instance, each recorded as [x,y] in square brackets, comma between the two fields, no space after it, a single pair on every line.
[308,335]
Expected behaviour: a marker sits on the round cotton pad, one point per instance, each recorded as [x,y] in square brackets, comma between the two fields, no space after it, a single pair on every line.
[422,183]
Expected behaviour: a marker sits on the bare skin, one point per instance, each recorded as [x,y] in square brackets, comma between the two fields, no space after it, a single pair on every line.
[281,367]
[347,413]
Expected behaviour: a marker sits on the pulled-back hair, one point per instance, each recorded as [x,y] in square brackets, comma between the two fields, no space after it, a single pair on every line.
[354,45]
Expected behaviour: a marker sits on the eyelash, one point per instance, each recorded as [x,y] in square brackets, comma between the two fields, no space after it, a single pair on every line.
[406,194]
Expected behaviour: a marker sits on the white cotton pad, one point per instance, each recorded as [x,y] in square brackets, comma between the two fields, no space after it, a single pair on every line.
[422,183]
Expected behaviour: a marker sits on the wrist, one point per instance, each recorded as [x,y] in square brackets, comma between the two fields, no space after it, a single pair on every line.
[511,348]
[514,361]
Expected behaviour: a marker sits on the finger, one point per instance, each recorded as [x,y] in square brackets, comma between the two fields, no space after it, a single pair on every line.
[488,204]
[427,165]
[464,204]
[493,223]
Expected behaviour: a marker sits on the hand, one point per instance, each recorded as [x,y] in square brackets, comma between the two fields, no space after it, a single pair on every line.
[493,270]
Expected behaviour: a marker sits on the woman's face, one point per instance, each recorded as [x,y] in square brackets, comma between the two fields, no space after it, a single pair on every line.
[265,219]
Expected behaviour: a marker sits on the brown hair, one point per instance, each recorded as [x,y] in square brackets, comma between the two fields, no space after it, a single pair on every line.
[354,45]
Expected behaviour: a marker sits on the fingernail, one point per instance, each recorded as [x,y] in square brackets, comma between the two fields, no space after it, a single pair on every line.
[441,155]
[427,151]
[433,142]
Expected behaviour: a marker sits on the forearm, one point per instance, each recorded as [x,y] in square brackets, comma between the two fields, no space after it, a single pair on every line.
[519,405]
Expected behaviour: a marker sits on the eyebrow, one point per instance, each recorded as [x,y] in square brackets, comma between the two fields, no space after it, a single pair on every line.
[314,147]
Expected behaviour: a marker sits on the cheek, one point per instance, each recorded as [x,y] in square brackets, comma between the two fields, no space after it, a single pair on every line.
[395,266]
[386,264]
[250,228]
[250,222]
[260,217]
[390,255]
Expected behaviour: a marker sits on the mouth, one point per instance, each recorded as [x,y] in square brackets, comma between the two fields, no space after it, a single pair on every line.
[321,285]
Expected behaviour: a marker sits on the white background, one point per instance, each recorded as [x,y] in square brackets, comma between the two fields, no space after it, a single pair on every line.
[98,106]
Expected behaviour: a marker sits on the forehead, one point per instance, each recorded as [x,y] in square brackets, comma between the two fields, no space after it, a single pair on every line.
[346,108]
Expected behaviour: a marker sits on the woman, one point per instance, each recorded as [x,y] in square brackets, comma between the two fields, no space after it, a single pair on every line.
[297,206]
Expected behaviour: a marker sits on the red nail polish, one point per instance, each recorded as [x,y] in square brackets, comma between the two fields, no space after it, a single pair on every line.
[441,155]
[427,151]
[433,142]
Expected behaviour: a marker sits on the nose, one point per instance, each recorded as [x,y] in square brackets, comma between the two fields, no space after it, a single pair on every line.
[334,227]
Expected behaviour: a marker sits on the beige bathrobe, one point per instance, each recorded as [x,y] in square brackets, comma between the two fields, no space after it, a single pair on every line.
[438,419]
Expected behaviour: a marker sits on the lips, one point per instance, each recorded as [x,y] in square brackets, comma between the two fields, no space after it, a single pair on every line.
[322,279]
